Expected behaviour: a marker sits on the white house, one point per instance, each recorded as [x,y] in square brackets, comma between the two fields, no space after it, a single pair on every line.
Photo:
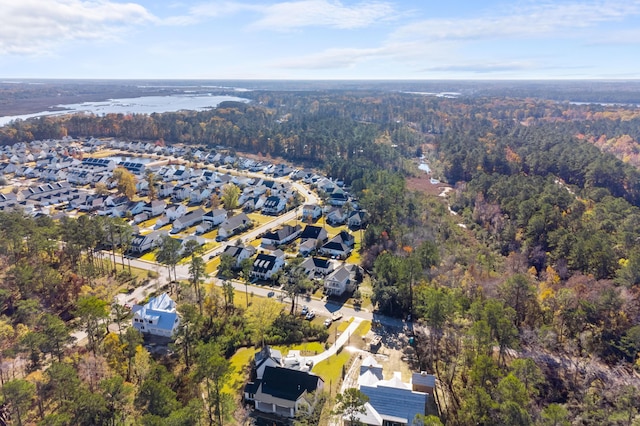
[158,317]
[311,212]
[192,218]
[239,253]
[215,217]
[265,265]
[281,236]
[233,225]
[274,205]
[339,281]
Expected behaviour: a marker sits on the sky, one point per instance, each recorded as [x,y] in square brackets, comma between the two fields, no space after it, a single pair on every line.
[320,39]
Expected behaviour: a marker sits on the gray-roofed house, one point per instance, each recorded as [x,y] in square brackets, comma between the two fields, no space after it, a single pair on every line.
[317,267]
[215,217]
[285,391]
[158,317]
[336,248]
[339,281]
[391,402]
[281,236]
[311,212]
[233,225]
[141,243]
[192,218]
[314,232]
[239,253]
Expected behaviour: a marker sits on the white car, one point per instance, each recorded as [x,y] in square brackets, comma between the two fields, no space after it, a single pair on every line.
[310,315]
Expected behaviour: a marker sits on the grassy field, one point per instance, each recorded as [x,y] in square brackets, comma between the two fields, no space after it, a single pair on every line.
[150,255]
[212,265]
[306,349]
[240,363]
[260,219]
[331,370]
[344,325]
[363,328]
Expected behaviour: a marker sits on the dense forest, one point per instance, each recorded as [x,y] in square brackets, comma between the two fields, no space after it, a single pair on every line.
[532,308]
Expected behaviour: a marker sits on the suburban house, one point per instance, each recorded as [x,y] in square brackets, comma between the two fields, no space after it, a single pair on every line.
[317,267]
[215,217]
[335,216]
[391,402]
[274,205]
[239,253]
[158,317]
[155,208]
[265,265]
[311,212]
[423,382]
[233,225]
[284,391]
[339,246]
[338,197]
[192,218]
[314,233]
[140,217]
[142,243]
[340,280]
[266,357]
[308,247]
[281,236]
[170,214]
[357,219]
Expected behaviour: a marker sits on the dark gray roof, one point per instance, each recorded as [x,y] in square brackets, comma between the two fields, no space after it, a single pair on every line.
[288,384]
[311,231]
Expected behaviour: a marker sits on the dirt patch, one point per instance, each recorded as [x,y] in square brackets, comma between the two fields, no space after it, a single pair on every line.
[423,184]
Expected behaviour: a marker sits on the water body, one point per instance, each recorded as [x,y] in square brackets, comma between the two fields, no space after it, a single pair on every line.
[142,105]
[424,167]
[118,159]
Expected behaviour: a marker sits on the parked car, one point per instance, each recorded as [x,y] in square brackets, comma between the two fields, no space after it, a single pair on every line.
[310,315]
[305,310]
[271,294]
[327,322]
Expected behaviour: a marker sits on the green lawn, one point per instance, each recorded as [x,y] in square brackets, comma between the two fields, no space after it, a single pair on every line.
[331,370]
[211,235]
[150,255]
[363,328]
[240,363]
[306,349]
[212,265]
[344,324]
[260,219]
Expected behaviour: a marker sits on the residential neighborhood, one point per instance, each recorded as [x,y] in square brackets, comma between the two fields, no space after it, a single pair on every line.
[278,222]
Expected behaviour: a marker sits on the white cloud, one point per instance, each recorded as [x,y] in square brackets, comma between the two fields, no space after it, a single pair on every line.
[537,20]
[322,13]
[330,58]
[284,16]
[441,45]
[34,27]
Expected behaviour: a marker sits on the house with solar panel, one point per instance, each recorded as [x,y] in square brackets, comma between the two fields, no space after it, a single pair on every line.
[158,317]
[134,167]
[265,265]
